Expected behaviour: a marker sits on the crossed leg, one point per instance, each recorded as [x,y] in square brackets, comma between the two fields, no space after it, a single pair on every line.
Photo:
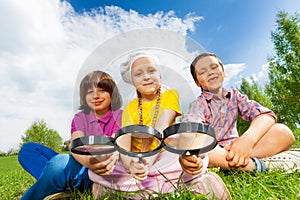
[277,139]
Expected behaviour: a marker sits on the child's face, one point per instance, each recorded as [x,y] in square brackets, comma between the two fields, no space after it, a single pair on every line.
[210,74]
[145,75]
[98,100]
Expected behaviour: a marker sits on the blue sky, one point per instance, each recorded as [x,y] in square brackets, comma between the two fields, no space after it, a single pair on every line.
[238,31]
[43,45]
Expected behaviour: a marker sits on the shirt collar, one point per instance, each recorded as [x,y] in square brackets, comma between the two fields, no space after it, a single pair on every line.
[104,119]
[209,95]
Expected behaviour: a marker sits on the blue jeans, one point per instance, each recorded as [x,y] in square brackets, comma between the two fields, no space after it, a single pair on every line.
[53,172]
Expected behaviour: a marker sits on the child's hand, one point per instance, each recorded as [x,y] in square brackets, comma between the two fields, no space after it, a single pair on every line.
[238,153]
[139,170]
[103,165]
[191,164]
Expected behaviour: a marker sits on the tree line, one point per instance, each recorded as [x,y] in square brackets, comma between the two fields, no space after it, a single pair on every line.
[281,93]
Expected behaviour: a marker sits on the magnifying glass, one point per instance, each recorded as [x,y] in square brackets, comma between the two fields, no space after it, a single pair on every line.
[183,138]
[138,141]
[189,138]
[93,145]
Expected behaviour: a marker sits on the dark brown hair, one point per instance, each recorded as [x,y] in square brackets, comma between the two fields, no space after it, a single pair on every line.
[101,80]
[193,65]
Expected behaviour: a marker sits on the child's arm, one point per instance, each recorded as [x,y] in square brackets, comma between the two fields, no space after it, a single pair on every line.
[166,119]
[239,151]
[139,170]
[193,164]
[132,165]
[101,165]
[190,164]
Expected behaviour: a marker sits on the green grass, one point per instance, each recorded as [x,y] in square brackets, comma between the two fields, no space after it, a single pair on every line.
[274,185]
[15,181]
[297,139]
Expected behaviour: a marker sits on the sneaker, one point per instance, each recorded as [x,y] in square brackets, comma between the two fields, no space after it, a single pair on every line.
[65,195]
[212,185]
[288,161]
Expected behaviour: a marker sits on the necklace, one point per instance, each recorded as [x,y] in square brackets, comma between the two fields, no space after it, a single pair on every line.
[146,142]
[140,109]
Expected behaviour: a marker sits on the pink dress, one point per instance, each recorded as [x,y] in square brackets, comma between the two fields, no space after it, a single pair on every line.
[167,164]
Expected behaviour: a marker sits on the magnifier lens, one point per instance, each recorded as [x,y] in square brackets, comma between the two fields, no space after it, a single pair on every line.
[94,148]
[138,140]
[189,140]
[92,145]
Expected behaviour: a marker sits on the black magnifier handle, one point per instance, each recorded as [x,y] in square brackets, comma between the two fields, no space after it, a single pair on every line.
[140,159]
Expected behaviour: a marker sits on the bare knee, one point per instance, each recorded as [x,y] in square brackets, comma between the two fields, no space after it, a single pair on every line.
[284,133]
[278,138]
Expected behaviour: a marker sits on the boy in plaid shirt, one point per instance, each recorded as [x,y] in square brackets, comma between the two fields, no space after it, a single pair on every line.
[220,108]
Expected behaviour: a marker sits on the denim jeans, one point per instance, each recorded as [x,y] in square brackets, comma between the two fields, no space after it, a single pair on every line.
[53,172]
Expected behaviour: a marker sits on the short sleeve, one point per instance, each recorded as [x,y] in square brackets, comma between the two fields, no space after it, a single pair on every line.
[78,123]
[250,109]
[170,100]
[130,114]
[117,115]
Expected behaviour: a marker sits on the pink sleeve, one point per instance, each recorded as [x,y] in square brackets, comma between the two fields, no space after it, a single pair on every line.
[118,120]
[78,123]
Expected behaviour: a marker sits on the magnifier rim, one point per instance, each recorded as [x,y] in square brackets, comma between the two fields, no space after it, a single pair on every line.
[137,128]
[186,127]
[92,140]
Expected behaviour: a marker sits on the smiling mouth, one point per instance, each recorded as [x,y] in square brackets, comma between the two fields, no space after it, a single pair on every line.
[97,103]
[148,84]
[212,79]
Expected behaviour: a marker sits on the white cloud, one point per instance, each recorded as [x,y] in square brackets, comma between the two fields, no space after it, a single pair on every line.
[231,72]
[42,47]
[261,76]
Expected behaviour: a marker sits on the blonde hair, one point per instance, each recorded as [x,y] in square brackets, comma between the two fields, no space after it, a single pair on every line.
[125,67]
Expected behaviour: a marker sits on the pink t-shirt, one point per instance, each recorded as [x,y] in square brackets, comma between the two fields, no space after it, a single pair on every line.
[107,125]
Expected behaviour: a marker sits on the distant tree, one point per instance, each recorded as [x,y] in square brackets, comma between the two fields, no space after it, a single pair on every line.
[2,153]
[13,151]
[40,133]
[254,92]
[284,73]
[66,145]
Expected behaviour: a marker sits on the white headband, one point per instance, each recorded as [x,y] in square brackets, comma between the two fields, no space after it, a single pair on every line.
[125,67]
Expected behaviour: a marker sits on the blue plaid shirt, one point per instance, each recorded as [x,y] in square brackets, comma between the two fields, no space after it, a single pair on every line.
[222,114]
